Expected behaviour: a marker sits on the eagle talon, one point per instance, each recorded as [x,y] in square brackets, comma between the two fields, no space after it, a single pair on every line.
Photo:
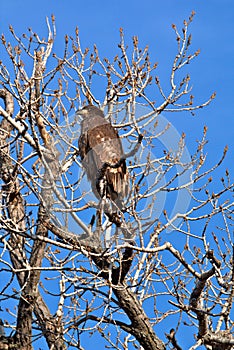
[114,218]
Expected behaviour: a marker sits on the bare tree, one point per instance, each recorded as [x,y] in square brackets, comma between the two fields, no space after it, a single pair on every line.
[69,273]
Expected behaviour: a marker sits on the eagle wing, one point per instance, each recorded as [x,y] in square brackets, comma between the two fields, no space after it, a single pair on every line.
[88,162]
[100,144]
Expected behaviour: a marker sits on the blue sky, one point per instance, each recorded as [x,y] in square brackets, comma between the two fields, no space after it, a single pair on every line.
[99,23]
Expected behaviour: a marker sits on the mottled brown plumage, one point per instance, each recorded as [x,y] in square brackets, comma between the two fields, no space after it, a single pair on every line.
[99,145]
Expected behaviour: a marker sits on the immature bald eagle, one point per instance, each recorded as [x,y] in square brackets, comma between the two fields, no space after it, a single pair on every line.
[101,154]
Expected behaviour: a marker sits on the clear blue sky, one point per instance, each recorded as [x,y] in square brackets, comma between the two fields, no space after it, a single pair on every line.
[99,23]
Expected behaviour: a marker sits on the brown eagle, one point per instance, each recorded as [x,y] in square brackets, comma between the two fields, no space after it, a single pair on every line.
[102,156]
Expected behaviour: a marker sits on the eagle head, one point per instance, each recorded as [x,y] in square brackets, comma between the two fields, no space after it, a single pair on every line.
[90,111]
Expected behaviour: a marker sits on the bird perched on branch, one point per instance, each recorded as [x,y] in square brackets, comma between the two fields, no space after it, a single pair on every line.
[102,156]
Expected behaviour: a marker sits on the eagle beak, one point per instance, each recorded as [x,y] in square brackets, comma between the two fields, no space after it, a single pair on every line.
[81,112]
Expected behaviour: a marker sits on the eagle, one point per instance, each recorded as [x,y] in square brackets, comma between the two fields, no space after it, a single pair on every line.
[102,156]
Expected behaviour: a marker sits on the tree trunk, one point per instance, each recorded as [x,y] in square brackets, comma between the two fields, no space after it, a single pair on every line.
[140,325]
